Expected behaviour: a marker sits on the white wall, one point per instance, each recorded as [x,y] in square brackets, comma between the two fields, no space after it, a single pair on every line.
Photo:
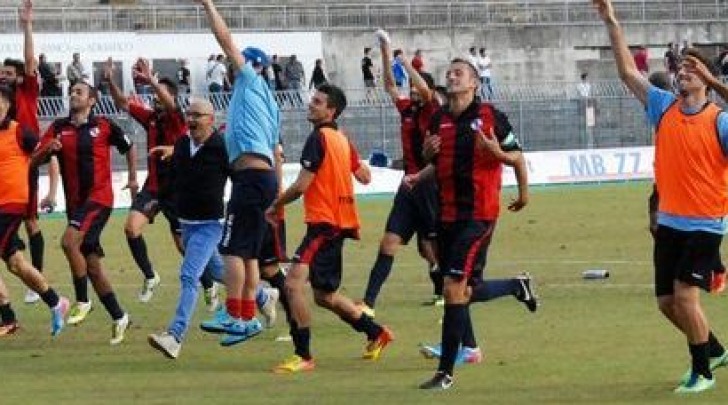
[126,47]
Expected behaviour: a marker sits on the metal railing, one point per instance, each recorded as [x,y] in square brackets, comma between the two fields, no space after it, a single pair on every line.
[546,116]
[327,17]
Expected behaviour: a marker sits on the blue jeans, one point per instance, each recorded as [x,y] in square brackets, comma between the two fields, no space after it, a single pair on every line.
[200,243]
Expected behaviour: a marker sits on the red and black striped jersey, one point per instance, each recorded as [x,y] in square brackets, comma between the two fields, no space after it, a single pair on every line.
[163,129]
[85,158]
[415,119]
[469,177]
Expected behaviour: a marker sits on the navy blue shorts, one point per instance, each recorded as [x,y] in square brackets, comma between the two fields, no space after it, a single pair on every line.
[414,210]
[690,257]
[273,250]
[245,226]
[463,248]
[90,218]
[149,204]
[10,243]
[321,249]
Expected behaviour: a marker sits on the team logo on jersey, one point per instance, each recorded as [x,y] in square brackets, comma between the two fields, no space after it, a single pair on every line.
[94,132]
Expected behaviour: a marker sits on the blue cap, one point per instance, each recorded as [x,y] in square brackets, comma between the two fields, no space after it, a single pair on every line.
[256,56]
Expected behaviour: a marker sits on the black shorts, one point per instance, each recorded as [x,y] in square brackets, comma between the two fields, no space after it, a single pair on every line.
[273,250]
[32,211]
[414,210]
[10,243]
[687,256]
[90,218]
[253,192]
[463,248]
[149,204]
[321,249]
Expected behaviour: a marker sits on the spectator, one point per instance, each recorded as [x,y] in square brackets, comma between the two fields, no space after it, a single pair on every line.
[473,56]
[671,61]
[75,71]
[640,60]
[217,75]
[401,79]
[366,69]
[294,73]
[49,78]
[183,77]
[584,88]
[484,68]
[277,74]
[318,77]
[417,62]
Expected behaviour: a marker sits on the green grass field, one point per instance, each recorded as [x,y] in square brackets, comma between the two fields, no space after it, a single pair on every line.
[591,341]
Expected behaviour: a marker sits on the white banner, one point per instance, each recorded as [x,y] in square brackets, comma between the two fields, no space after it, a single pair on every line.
[557,167]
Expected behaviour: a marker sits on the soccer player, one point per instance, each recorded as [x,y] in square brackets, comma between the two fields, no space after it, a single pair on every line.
[164,124]
[413,210]
[83,143]
[473,141]
[21,77]
[16,147]
[252,133]
[328,161]
[691,174]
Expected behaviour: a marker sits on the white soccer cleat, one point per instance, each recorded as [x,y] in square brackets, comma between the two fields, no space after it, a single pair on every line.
[118,327]
[148,288]
[78,312]
[31,297]
[268,310]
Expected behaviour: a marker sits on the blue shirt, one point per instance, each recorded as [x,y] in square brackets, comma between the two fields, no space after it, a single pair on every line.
[253,120]
[658,101]
[399,73]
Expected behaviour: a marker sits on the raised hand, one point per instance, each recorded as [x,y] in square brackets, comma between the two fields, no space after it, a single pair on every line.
[605,9]
[26,12]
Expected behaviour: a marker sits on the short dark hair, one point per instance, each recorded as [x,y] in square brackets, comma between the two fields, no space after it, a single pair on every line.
[584,75]
[171,85]
[428,79]
[18,65]
[661,80]
[397,52]
[336,98]
[699,55]
[367,50]
[482,50]
[467,62]
[472,49]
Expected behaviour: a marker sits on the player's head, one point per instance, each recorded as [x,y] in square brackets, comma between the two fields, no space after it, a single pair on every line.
[661,80]
[461,77]
[200,119]
[690,83]
[171,88]
[257,57]
[6,100]
[326,105]
[12,71]
[82,98]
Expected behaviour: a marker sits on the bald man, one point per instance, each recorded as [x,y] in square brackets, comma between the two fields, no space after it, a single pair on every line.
[199,171]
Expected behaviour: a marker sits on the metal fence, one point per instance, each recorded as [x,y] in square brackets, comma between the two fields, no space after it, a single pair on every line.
[326,17]
[547,116]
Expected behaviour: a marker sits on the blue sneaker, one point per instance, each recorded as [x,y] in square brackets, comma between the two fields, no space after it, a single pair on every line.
[466,355]
[220,322]
[58,316]
[244,331]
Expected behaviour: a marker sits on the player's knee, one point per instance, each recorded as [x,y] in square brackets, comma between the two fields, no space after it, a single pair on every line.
[14,263]
[323,299]
[132,230]
[69,243]
[389,244]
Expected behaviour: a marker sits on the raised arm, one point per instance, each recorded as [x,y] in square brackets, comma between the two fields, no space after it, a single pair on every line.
[698,68]
[117,95]
[26,19]
[417,81]
[386,50]
[626,67]
[222,34]
[144,72]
